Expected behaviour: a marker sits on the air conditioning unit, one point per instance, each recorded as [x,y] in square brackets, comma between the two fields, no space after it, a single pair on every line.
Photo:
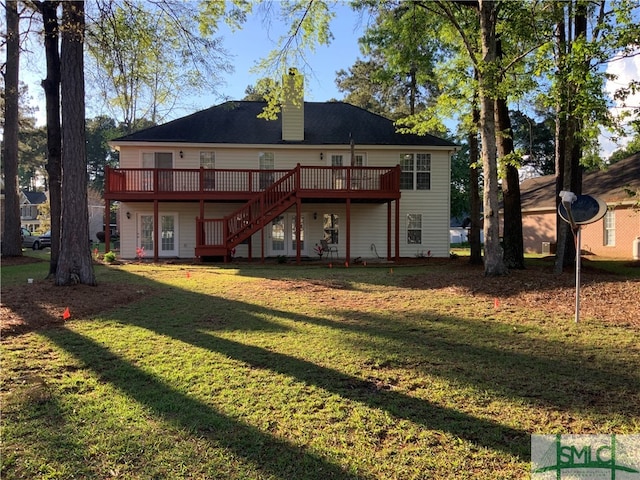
[546,248]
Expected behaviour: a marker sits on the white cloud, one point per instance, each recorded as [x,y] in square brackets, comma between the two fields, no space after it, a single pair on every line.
[625,70]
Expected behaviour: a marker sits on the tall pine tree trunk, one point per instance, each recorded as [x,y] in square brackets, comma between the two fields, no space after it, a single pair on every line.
[11,239]
[488,78]
[569,126]
[75,264]
[474,192]
[512,233]
[51,86]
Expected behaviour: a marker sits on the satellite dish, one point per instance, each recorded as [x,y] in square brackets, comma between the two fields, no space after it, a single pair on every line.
[584,210]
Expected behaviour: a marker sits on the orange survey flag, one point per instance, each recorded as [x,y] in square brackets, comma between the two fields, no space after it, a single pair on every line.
[66,313]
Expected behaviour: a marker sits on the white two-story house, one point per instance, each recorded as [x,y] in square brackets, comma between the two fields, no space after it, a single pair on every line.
[224,183]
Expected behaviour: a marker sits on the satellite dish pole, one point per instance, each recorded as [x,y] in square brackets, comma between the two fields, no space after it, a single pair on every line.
[567,199]
[577,211]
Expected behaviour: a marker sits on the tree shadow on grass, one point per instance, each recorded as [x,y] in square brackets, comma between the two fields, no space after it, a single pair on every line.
[496,357]
[274,457]
[483,432]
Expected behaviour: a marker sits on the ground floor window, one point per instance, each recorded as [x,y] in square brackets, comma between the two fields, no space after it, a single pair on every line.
[610,228]
[414,228]
[330,225]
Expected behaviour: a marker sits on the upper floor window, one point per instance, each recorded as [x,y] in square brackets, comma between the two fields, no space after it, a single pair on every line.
[267,161]
[208,159]
[360,160]
[610,228]
[157,160]
[415,171]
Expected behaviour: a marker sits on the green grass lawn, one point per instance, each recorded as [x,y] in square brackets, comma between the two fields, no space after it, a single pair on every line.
[285,372]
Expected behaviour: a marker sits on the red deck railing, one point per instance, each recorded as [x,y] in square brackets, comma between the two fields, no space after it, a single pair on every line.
[266,193]
[181,183]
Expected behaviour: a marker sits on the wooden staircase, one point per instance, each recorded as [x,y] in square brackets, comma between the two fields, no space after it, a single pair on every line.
[218,237]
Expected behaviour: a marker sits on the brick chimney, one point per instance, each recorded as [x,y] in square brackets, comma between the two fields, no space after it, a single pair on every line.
[293,107]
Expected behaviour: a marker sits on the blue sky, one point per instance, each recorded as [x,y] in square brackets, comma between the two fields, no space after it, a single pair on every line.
[255,41]
[246,47]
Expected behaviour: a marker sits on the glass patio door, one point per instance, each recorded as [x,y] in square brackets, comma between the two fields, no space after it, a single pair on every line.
[283,236]
[167,236]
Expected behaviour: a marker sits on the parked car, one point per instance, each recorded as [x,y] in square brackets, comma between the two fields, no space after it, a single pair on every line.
[37,242]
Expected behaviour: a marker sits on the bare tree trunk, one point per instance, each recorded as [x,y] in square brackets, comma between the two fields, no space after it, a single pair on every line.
[568,129]
[474,191]
[75,264]
[512,234]
[11,239]
[493,262]
[51,86]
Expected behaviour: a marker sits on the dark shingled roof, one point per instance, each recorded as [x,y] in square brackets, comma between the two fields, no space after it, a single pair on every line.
[35,198]
[331,123]
[608,184]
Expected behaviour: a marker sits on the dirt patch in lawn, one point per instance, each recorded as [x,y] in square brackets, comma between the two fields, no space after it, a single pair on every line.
[31,306]
[609,298]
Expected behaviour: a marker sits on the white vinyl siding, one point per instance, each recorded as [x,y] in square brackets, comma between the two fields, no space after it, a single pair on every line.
[368,232]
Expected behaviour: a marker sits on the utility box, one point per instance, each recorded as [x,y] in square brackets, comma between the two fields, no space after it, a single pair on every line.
[549,248]
[546,248]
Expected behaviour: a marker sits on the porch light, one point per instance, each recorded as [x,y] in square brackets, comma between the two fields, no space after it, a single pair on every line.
[181,154]
[128,215]
[321,156]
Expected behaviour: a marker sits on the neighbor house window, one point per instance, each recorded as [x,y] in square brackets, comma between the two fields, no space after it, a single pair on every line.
[610,228]
[415,171]
[414,228]
[208,159]
[330,226]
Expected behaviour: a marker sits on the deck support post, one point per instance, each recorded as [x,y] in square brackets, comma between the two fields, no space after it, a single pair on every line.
[156,236]
[298,227]
[389,218]
[397,255]
[348,249]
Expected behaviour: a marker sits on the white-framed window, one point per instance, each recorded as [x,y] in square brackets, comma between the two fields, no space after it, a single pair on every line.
[266,161]
[415,171]
[330,225]
[360,160]
[610,228]
[208,162]
[414,228]
[157,160]
[208,159]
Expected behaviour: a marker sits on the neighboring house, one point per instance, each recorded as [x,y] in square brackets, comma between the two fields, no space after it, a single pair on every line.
[611,237]
[29,203]
[222,182]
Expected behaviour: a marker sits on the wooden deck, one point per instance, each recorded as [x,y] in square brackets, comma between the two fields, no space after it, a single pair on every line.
[263,195]
[379,184]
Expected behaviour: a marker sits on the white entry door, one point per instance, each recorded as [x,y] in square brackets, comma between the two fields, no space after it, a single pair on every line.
[283,235]
[167,236]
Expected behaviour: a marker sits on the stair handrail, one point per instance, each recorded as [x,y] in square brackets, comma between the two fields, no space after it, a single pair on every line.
[257,207]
